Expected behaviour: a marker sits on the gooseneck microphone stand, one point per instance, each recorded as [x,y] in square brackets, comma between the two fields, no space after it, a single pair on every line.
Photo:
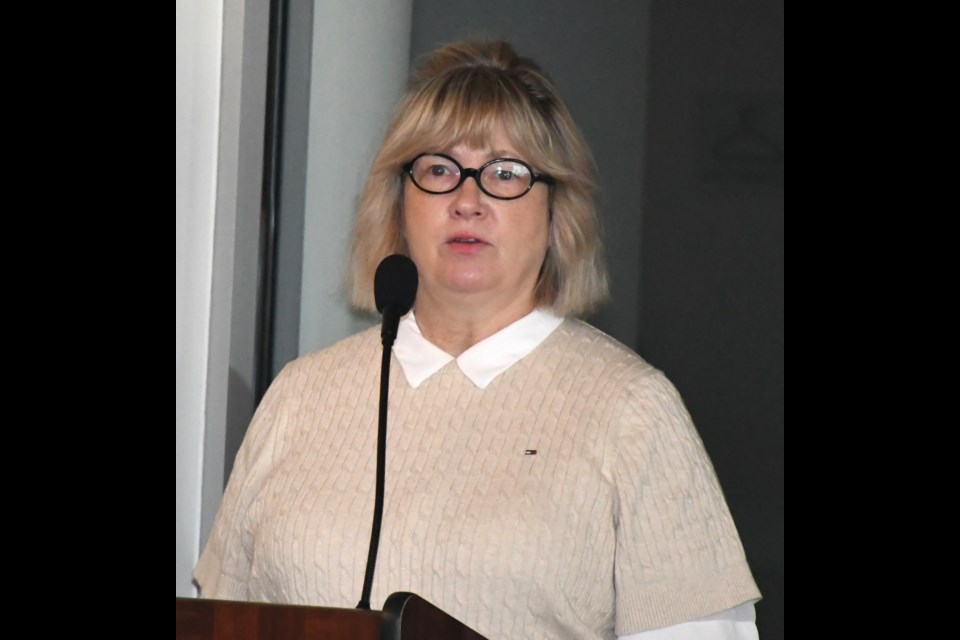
[395,288]
[381,477]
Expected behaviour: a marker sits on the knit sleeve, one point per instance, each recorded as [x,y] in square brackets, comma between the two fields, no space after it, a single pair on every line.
[223,570]
[678,554]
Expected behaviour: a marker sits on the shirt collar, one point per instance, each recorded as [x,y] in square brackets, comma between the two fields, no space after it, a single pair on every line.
[419,358]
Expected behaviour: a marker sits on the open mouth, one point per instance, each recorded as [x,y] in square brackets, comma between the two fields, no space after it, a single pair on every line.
[465,238]
[466,245]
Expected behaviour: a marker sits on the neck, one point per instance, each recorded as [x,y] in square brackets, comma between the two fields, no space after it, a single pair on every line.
[456,328]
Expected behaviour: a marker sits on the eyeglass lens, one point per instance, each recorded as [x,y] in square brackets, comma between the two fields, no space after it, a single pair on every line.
[503,178]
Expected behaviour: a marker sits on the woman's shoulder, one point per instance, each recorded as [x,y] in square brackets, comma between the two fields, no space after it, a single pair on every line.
[581,340]
[358,350]
[646,401]
[596,355]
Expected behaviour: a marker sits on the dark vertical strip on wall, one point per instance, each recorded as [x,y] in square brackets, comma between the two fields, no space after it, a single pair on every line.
[272,166]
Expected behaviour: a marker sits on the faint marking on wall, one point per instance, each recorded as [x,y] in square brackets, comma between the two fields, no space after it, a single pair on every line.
[740,139]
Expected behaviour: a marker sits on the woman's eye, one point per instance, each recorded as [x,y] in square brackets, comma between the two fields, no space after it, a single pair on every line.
[505,175]
[438,170]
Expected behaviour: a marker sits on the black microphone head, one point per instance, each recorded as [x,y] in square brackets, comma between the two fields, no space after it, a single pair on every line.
[395,283]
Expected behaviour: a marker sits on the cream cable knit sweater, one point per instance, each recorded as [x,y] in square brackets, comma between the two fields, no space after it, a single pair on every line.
[571,498]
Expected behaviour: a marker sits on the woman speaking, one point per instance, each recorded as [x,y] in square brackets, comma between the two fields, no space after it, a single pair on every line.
[543,481]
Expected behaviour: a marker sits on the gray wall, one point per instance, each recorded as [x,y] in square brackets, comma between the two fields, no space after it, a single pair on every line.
[198,94]
[358,74]
[345,70]
[221,80]
[711,296]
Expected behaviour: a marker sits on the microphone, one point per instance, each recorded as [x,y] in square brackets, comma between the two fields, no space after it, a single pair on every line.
[394,290]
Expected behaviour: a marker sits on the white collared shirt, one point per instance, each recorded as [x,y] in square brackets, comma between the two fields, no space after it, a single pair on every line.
[481,364]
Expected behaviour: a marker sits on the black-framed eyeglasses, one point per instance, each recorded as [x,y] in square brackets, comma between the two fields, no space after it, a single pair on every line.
[501,178]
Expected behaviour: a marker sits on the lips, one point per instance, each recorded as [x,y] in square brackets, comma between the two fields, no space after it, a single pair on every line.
[466,239]
[466,244]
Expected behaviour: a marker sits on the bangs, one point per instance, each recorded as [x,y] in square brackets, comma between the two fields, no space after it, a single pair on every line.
[467,106]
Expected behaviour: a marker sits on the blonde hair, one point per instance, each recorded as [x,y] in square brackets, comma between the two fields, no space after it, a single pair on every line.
[461,94]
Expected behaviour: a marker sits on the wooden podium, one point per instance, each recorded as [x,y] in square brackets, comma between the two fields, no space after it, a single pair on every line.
[405,616]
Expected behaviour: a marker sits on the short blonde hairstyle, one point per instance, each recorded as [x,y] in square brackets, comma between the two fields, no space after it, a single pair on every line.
[461,94]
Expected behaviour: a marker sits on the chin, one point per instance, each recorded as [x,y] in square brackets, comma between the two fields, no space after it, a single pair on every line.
[469,286]
[467,281]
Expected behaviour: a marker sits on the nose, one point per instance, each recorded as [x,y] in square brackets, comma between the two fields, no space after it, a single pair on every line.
[468,202]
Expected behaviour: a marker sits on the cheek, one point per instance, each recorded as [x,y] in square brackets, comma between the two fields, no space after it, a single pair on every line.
[539,216]
[411,218]
[404,207]
[542,229]
[414,224]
